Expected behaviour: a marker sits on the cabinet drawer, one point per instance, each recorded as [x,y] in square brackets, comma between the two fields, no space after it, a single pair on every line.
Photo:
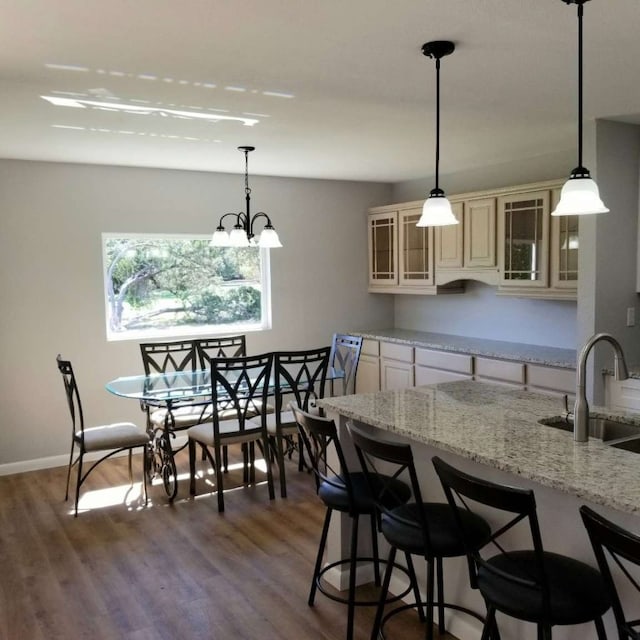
[427,375]
[393,351]
[500,370]
[563,380]
[370,347]
[444,360]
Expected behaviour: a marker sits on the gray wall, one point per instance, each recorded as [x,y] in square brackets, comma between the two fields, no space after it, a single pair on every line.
[608,244]
[479,312]
[51,218]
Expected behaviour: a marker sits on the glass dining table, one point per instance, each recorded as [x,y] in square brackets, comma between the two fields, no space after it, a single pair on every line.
[176,392]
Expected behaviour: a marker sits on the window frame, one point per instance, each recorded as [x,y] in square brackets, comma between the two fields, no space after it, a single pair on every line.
[178,332]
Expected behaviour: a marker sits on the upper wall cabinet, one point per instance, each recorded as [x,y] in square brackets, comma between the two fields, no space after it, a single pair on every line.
[506,237]
[523,232]
[467,251]
[401,255]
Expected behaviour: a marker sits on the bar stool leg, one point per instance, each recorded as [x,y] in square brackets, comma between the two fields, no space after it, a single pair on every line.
[440,580]
[374,544]
[352,577]
[316,571]
[414,582]
[430,600]
[383,594]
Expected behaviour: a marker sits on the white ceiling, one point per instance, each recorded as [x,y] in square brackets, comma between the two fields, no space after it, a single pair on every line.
[340,87]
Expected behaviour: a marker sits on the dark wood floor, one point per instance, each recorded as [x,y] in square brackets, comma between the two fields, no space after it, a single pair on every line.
[179,571]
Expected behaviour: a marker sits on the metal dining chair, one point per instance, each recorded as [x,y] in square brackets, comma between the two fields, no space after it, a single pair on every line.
[344,357]
[221,347]
[299,376]
[109,438]
[242,385]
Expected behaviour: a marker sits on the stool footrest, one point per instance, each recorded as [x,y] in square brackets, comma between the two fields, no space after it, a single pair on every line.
[361,603]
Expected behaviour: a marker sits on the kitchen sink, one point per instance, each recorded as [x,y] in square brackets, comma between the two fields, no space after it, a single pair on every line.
[621,435]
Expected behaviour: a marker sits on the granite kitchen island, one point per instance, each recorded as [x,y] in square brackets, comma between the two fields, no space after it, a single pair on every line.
[493,431]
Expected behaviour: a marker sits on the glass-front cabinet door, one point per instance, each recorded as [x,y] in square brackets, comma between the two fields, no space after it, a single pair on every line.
[564,249]
[416,259]
[523,240]
[383,257]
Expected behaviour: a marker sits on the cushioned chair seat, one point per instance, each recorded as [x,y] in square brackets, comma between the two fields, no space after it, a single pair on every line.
[336,497]
[113,436]
[577,591]
[287,422]
[229,433]
[443,530]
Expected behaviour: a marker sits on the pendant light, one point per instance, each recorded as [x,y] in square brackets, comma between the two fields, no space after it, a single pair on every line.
[580,195]
[437,211]
[242,234]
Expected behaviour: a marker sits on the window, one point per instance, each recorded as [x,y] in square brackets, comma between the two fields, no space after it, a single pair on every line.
[158,286]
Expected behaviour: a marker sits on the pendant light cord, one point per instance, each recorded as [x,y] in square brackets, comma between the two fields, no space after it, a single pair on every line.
[247,190]
[437,122]
[580,15]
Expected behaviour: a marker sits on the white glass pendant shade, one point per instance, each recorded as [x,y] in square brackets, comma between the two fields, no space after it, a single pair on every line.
[436,212]
[220,238]
[579,196]
[238,237]
[269,238]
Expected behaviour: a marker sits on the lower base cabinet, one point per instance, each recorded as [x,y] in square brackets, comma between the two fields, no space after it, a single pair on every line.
[388,366]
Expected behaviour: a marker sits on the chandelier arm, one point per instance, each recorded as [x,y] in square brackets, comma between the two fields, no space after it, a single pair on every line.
[231,213]
[260,214]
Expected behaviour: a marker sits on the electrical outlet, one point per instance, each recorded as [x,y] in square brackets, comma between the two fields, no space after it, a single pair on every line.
[631,317]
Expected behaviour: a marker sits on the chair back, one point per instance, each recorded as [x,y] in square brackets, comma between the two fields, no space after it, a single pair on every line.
[223,347]
[613,544]
[345,355]
[320,439]
[166,357]
[299,377]
[508,506]
[384,463]
[73,396]
[241,386]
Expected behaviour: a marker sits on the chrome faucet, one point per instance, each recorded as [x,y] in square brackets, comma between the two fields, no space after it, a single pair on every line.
[581,407]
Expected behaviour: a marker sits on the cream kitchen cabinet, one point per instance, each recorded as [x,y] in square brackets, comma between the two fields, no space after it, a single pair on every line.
[467,251]
[503,372]
[553,380]
[523,240]
[432,366]
[401,255]
[368,374]
[564,252]
[396,366]
[622,395]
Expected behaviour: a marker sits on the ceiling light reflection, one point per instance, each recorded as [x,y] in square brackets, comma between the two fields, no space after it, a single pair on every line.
[78,103]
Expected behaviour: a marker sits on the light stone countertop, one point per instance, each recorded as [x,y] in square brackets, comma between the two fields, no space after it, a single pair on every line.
[535,354]
[498,426]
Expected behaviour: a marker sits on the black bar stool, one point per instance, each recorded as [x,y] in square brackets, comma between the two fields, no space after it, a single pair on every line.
[531,584]
[346,492]
[623,548]
[427,529]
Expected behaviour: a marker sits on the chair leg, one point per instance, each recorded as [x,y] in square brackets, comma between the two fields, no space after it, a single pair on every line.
[352,576]
[280,457]
[375,632]
[374,546]
[144,475]
[225,458]
[489,624]
[192,466]
[130,466]
[430,599]
[316,570]
[252,462]
[414,581]
[544,632]
[219,475]
[66,495]
[440,583]
[602,635]
[78,481]
[265,445]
